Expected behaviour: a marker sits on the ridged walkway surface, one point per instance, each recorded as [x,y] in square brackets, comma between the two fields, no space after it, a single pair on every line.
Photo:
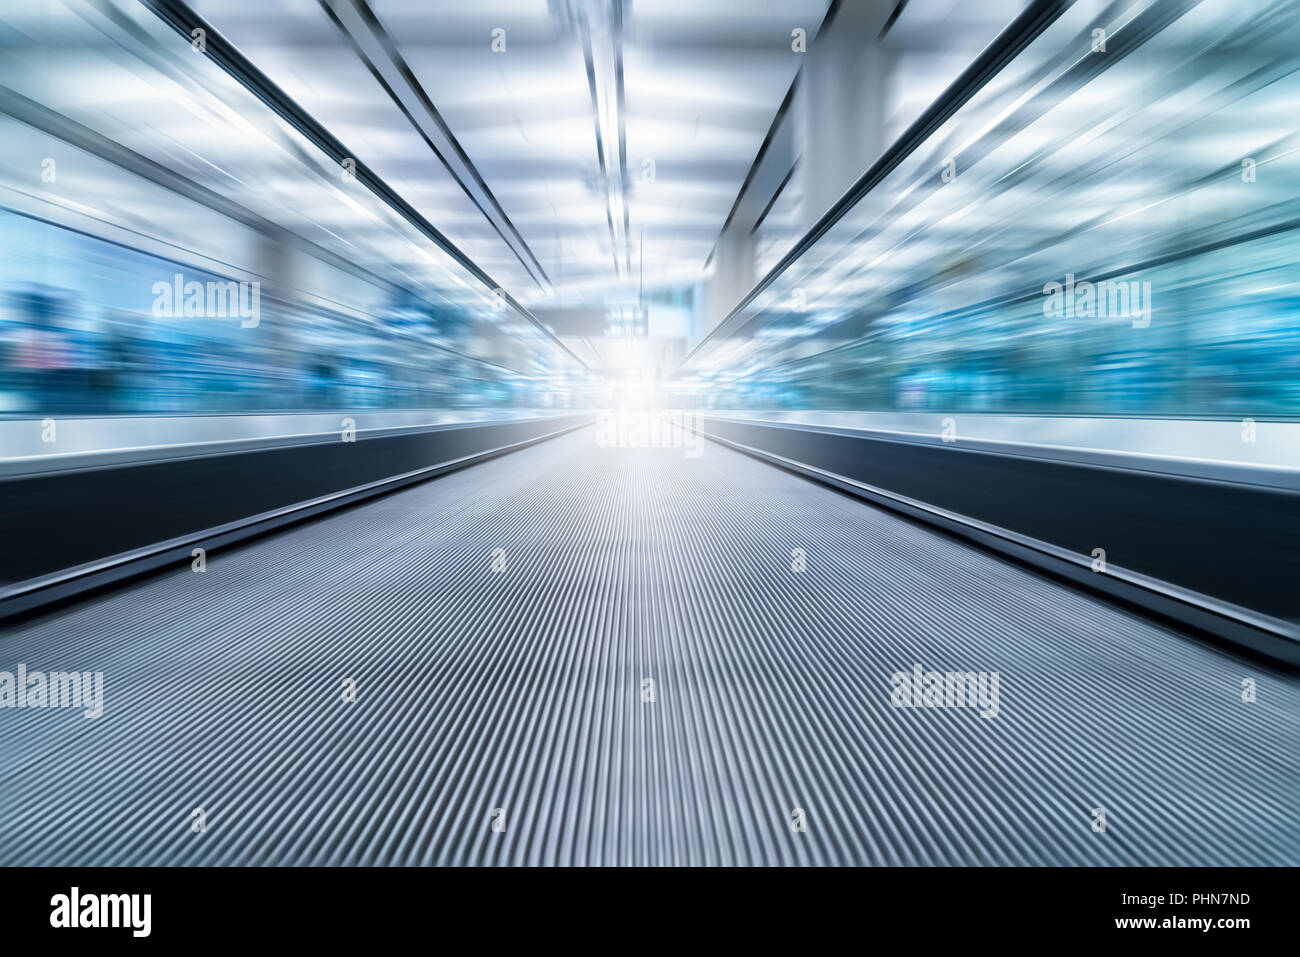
[522,690]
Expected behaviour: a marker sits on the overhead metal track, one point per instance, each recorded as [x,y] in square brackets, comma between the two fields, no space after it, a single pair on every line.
[1123,43]
[374,46]
[1036,18]
[602,51]
[184,20]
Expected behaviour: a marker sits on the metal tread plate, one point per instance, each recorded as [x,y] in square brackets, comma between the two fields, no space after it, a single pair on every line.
[516,696]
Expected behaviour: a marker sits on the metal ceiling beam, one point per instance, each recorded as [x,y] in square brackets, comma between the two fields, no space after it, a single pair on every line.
[374,46]
[602,51]
[1036,18]
[180,17]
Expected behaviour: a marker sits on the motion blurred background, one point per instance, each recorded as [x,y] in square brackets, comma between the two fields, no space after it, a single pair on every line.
[626,174]
[1011,286]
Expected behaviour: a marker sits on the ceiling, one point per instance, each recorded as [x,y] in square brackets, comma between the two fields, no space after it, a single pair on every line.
[596,136]
[584,154]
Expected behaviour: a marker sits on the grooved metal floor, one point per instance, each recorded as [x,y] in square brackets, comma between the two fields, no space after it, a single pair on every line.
[522,691]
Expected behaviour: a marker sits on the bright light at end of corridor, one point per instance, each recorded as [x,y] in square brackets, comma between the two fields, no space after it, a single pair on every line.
[635,391]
